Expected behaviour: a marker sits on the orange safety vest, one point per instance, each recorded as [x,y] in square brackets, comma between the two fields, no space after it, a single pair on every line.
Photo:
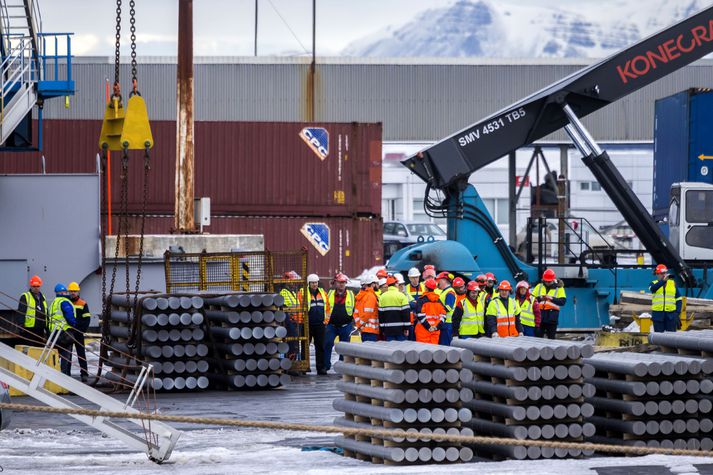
[320,299]
[505,316]
[366,312]
[460,298]
[433,312]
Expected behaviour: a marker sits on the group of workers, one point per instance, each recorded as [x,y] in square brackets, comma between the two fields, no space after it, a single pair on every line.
[431,308]
[68,313]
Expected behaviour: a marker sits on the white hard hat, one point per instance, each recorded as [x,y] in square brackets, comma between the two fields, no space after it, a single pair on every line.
[382,281]
[413,272]
[372,279]
[399,278]
[312,278]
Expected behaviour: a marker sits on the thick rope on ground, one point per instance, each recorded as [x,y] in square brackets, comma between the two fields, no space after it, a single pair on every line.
[379,433]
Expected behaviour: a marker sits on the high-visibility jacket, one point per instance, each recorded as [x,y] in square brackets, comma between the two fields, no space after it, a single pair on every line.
[81,309]
[348,304]
[664,298]
[472,322]
[317,304]
[366,312]
[394,312]
[31,311]
[449,303]
[430,314]
[416,292]
[550,309]
[505,320]
[527,311]
[292,301]
[56,317]
[459,298]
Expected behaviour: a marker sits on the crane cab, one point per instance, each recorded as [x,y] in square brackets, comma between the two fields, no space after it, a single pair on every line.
[690,220]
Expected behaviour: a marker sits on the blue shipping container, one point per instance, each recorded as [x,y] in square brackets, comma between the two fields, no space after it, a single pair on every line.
[683,143]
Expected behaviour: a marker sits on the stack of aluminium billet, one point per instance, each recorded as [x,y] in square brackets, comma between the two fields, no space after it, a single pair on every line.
[529,388]
[246,333]
[167,333]
[653,399]
[693,343]
[412,386]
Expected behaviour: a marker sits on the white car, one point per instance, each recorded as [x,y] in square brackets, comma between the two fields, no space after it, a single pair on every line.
[5,415]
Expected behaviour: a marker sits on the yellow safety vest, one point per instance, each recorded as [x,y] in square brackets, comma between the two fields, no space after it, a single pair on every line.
[557,292]
[472,321]
[527,314]
[56,318]
[31,311]
[348,303]
[449,310]
[415,292]
[505,316]
[664,299]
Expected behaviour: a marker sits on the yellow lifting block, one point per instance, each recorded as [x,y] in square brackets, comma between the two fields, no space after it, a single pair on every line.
[113,125]
[136,133]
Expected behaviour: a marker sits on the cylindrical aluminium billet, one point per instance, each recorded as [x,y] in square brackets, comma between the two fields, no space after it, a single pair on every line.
[518,393]
[186,303]
[223,301]
[600,439]
[392,454]
[517,452]
[197,302]
[547,373]
[168,383]
[121,332]
[280,316]
[268,316]
[260,348]
[682,341]
[149,335]
[453,395]
[162,303]
[438,376]
[619,365]
[191,382]
[547,412]
[666,388]
[174,303]
[574,371]
[667,366]
[390,375]
[494,349]
[634,408]
[625,427]
[633,388]
[179,367]
[234,364]
[186,334]
[174,319]
[273,364]
[179,351]
[148,303]
[235,349]
[483,427]
[229,333]
[174,335]
[280,332]
[234,380]
[516,413]
[147,319]
[269,333]
[191,366]
[191,350]
[516,373]
[705,405]
[378,352]
[256,316]
[438,395]
[131,379]
[162,319]
[197,334]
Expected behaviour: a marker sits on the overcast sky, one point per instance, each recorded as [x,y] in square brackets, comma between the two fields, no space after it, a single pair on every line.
[226,27]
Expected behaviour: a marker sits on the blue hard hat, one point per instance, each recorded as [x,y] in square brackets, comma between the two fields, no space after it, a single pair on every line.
[60,288]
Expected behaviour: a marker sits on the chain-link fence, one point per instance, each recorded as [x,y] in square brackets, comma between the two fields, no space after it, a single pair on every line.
[265,271]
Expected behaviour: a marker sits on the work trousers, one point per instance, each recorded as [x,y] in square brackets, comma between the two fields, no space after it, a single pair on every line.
[664,321]
[446,336]
[316,336]
[547,330]
[77,341]
[369,336]
[64,348]
[332,332]
[529,331]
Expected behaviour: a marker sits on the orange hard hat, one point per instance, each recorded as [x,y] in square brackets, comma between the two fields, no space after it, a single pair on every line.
[490,276]
[340,277]
[548,275]
[661,269]
[35,281]
[443,275]
[472,285]
[431,284]
[391,280]
[382,274]
[458,282]
[504,285]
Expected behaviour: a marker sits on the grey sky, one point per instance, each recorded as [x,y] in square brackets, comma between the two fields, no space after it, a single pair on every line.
[226,27]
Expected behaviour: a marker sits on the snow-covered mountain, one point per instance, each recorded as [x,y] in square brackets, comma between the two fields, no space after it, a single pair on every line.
[514,29]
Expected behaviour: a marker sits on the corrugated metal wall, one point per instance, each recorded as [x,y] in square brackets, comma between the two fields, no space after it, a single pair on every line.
[414,101]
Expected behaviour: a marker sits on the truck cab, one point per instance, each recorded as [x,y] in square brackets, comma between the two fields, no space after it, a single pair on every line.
[690,220]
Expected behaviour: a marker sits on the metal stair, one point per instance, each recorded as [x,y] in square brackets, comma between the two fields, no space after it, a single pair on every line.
[156,440]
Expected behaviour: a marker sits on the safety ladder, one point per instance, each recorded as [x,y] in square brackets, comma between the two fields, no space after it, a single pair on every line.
[157,440]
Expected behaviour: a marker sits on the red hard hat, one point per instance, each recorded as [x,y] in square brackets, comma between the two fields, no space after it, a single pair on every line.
[431,284]
[522,283]
[390,280]
[504,285]
[428,274]
[490,276]
[480,278]
[458,282]
[472,285]
[382,274]
[429,267]
[35,281]
[548,275]
[661,269]
[443,275]
[340,277]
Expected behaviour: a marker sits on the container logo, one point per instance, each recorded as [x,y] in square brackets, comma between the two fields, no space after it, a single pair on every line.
[316,138]
[318,235]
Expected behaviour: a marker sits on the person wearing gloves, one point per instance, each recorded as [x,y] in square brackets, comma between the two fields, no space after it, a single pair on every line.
[502,318]
[468,318]
[430,315]
[366,311]
[529,308]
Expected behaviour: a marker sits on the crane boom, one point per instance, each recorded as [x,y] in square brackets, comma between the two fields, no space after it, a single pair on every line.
[453,159]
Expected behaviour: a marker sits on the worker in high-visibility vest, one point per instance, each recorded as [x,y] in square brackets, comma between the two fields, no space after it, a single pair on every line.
[489,290]
[339,320]
[394,313]
[415,290]
[366,310]
[665,301]
[295,320]
[551,296]
[83,318]
[448,299]
[316,303]
[430,315]
[62,318]
[468,317]
[502,318]
[33,305]
[529,308]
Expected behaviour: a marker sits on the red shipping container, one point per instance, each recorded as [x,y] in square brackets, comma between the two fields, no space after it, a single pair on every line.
[246,168]
[349,245]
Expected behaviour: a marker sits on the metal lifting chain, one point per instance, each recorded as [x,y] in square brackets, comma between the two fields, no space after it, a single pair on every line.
[147,167]
[132,21]
[117,50]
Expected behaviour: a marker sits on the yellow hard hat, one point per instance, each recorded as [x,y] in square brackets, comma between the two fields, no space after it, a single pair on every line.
[73,287]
